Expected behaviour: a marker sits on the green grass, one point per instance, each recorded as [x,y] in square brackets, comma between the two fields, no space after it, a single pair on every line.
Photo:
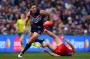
[85,55]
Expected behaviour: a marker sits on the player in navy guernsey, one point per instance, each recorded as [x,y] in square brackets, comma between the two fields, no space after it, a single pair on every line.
[36,17]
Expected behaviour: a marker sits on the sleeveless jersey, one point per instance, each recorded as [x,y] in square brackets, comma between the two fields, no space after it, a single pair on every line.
[36,19]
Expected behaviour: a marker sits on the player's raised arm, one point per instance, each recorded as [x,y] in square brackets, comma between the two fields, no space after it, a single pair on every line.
[26,20]
[69,44]
[43,12]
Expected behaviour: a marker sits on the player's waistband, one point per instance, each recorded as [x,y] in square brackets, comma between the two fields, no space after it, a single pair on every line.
[37,26]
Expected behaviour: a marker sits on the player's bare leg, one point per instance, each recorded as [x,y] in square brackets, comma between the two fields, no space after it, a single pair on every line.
[30,41]
[57,40]
[30,34]
[37,40]
[21,40]
[33,37]
[50,46]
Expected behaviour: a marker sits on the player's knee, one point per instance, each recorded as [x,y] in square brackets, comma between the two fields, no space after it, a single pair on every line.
[46,44]
[21,40]
[30,41]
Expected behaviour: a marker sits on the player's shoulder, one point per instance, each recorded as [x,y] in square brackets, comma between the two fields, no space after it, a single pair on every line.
[28,13]
[42,12]
[71,50]
[19,20]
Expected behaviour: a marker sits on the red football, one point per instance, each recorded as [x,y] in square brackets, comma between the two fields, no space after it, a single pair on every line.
[48,23]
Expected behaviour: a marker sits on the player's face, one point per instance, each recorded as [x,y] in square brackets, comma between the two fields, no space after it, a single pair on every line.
[33,8]
[22,16]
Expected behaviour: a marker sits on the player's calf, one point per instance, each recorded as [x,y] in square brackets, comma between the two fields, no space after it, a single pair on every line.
[50,34]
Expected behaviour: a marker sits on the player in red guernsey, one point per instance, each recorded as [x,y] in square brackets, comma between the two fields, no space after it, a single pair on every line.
[61,49]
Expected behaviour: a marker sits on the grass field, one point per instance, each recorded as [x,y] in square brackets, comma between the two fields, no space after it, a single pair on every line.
[85,55]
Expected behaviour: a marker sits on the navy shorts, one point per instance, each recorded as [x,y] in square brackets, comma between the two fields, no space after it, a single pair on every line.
[38,29]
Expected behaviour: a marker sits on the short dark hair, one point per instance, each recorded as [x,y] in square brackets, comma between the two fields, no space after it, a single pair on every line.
[31,4]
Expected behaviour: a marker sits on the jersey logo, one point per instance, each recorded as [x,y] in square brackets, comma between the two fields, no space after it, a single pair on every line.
[37,19]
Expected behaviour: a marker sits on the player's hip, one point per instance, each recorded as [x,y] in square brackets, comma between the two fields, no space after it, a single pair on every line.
[37,26]
[38,29]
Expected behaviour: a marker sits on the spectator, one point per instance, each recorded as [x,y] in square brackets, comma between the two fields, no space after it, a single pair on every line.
[69,16]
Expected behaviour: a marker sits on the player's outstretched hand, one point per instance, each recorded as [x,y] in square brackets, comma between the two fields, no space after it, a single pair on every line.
[24,29]
[46,51]
[45,30]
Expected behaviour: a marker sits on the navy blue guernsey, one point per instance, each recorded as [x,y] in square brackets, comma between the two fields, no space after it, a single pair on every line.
[36,19]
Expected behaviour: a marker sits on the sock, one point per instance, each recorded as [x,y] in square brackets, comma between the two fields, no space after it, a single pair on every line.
[26,47]
[38,40]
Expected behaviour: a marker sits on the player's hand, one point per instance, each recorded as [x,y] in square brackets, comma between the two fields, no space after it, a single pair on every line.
[47,27]
[46,51]
[24,28]
[45,30]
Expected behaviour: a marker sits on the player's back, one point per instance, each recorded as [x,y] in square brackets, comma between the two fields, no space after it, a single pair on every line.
[66,51]
[63,50]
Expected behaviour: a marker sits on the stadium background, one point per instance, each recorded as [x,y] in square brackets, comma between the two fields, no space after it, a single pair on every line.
[70,17]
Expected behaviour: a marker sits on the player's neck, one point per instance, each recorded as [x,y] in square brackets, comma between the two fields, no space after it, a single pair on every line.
[22,18]
[34,12]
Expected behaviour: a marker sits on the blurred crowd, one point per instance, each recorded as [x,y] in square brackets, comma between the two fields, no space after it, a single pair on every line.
[70,17]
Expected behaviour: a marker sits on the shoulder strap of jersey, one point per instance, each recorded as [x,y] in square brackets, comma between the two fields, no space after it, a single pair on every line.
[38,11]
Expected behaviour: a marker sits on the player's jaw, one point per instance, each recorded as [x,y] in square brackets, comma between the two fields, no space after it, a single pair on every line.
[33,8]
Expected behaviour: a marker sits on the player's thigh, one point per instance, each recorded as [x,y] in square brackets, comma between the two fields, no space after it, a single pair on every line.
[30,34]
[33,37]
[58,41]
[21,36]
[51,47]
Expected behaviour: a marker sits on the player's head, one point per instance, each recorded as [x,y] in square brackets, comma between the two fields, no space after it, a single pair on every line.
[22,16]
[70,49]
[68,46]
[33,7]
